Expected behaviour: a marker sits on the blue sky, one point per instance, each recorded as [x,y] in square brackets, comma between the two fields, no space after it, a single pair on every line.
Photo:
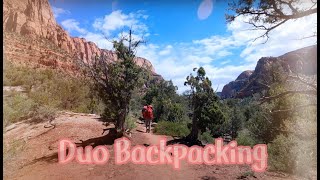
[181,35]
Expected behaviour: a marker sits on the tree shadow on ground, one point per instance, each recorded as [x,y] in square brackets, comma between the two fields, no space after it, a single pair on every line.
[185,141]
[107,139]
[52,158]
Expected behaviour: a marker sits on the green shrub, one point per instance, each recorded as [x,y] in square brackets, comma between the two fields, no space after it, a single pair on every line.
[43,113]
[130,123]
[245,139]
[206,137]
[51,89]
[172,128]
[17,107]
[280,154]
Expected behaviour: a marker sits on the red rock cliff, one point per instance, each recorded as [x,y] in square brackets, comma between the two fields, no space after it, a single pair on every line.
[33,21]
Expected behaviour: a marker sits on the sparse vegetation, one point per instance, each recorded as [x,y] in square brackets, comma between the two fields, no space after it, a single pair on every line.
[46,91]
[10,151]
[206,137]
[245,139]
[172,128]
[130,123]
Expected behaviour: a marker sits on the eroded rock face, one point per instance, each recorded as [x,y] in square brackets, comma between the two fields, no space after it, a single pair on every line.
[231,89]
[34,19]
[303,61]
[244,75]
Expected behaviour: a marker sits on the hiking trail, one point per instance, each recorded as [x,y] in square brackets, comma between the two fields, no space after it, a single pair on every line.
[31,153]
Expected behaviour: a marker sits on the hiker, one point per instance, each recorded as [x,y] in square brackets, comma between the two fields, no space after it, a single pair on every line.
[147,113]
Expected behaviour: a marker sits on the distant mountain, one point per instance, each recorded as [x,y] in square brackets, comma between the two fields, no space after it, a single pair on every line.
[303,61]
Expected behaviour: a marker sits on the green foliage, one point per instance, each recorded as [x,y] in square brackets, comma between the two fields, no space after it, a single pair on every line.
[205,104]
[248,114]
[46,91]
[168,105]
[17,107]
[43,113]
[53,88]
[115,83]
[262,126]
[206,137]
[130,123]
[245,138]
[280,154]
[289,131]
[171,128]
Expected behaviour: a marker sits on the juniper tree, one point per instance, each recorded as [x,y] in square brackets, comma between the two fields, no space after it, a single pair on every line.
[115,81]
[207,115]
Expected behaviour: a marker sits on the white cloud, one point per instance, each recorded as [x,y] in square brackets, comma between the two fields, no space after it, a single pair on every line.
[59,11]
[118,20]
[176,61]
[73,25]
[166,51]
[177,65]
[99,39]
[283,39]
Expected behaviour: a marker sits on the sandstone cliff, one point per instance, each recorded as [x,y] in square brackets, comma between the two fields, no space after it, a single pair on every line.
[302,61]
[32,35]
[235,86]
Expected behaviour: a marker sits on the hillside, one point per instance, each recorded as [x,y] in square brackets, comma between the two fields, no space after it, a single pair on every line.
[302,61]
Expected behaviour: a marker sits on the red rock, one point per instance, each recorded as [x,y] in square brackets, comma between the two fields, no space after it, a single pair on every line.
[34,19]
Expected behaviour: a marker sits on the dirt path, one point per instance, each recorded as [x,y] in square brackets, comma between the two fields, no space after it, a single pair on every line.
[31,153]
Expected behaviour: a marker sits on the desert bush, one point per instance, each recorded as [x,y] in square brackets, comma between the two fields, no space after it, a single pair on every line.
[53,89]
[172,128]
[42,114]
[168,105]
[245,139]
[130,123]
[17,107]
[206,137]
[280,154]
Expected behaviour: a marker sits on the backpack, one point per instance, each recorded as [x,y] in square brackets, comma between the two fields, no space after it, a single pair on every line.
[147,112]
[143,111]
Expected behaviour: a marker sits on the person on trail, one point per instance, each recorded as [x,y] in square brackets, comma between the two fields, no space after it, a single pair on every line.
[147,114]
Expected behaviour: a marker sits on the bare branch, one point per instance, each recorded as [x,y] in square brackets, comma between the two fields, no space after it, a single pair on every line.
[276,9]
[307,92]
[216,89]
[294,10]
[269,12]
[294,108]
